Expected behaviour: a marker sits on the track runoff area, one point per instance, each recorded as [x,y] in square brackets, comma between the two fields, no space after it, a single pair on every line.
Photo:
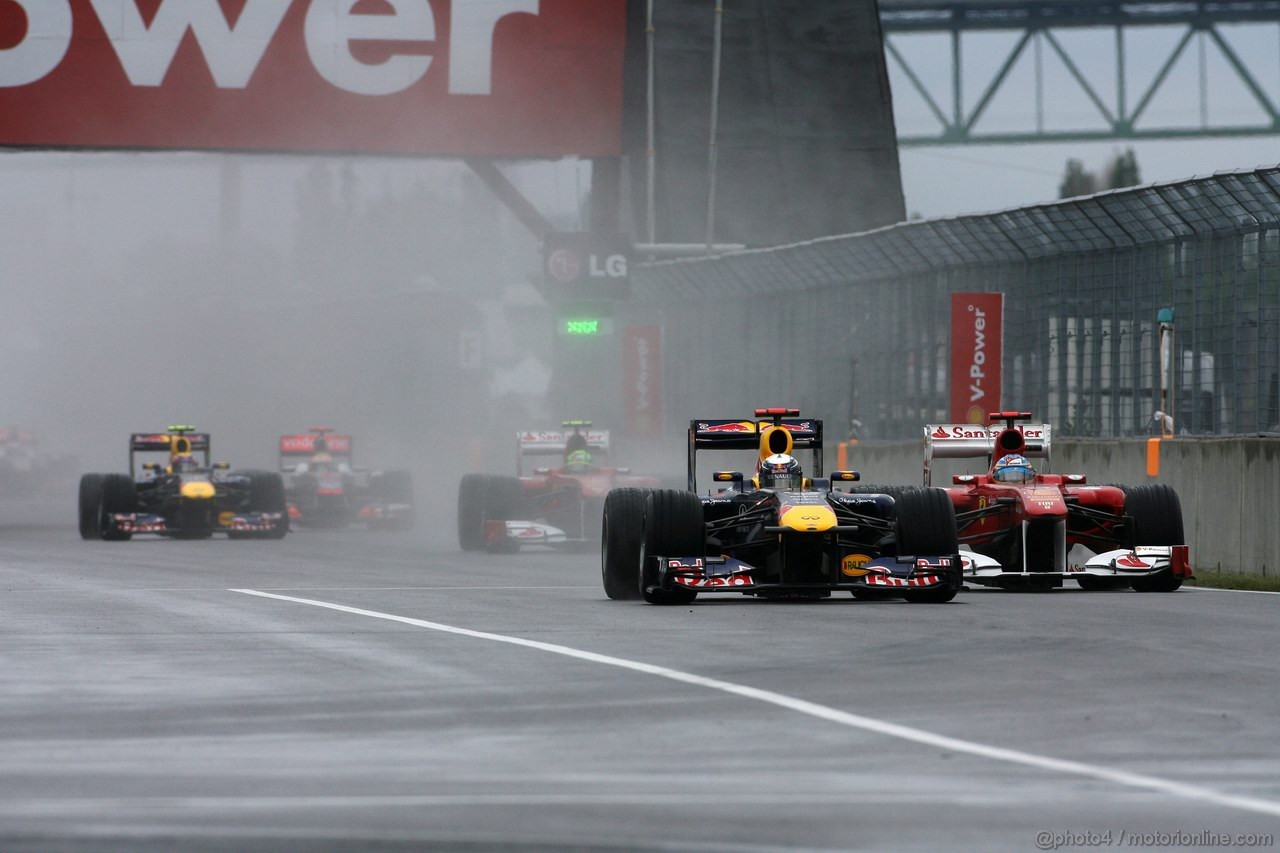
[357,689]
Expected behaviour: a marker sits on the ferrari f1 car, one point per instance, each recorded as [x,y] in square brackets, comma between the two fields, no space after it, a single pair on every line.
[776,535]
[188,498]
[1018,527]
[324,489]
[543,505]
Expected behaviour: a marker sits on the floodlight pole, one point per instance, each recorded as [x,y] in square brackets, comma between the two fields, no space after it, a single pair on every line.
[715,119]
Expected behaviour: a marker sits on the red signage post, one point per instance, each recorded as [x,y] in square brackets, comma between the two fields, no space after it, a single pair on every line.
[977,346]
[642,380]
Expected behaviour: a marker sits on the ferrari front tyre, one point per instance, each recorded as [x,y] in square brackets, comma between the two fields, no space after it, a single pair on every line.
[119,495]
[621,529]
[673,527]
[1156,513]
[90,506]
[926,523]
[471,492]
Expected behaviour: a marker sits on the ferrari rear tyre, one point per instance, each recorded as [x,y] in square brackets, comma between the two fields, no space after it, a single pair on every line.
[621,529]
[471,492]
[504,501]
[119,495]
[673,527]
[90,506]
[1157,520]
[926,523]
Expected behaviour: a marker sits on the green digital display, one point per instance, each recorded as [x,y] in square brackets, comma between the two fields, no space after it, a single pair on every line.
[581,327]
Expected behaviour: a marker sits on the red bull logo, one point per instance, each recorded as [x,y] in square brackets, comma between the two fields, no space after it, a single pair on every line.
[738,426]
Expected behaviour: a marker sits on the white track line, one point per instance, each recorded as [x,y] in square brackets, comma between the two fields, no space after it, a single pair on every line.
[834,715]
[1216,589]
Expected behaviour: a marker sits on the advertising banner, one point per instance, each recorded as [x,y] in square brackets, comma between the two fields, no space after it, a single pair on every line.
[475,78]
[977,345]
[642,380]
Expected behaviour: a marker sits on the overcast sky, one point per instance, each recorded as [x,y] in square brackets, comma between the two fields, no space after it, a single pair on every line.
[964,179]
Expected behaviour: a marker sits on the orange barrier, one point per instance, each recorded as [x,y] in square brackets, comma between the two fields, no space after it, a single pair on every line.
[1153,457]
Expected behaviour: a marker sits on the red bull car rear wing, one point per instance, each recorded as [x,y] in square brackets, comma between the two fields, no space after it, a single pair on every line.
[762,435]
[162,442]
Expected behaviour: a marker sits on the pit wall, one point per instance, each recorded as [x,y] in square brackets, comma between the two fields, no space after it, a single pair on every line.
[1229,487]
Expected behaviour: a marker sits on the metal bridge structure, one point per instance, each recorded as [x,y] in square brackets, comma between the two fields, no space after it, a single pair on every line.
[1038,28]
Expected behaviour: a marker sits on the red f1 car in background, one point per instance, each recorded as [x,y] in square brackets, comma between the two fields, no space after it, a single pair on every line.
[1017,527]
[543,505]
[326,490]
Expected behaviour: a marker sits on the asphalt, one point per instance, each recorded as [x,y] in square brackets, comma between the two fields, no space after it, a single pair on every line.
[145,704]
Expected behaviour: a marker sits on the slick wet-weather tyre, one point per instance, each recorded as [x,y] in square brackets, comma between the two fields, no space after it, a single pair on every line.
[621,529]
[673,527]
[926,525]
[119,495]
[1157,520]
[471,492]
[90,506]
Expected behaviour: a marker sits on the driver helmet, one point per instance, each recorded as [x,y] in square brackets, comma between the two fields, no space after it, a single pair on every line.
[780,471]
[321,462]
[185,464]
[578,462]
[1013,468]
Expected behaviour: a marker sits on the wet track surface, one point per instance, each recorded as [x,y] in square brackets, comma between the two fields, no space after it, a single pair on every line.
[144,704]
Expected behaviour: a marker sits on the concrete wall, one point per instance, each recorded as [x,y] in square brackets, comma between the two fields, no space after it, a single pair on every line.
[1230,487]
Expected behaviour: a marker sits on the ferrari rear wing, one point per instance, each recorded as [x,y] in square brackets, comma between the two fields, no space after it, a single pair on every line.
[556,443]
[974,441]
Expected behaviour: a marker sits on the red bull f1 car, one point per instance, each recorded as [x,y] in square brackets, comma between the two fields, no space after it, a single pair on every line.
[557,505]
[1018,526]
[187,498]
[325,489]
[776,535]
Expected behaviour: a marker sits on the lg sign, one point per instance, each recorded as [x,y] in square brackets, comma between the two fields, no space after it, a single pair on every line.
[471,77]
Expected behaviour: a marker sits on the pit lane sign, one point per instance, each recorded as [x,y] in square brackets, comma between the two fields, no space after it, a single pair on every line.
[977,345]
[427,77]
[590,265]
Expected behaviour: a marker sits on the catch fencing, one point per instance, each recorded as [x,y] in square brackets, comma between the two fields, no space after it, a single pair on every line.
[856,327]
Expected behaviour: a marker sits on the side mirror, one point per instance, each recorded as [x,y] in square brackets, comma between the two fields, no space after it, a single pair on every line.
[222,466]
[845,477]
[542,472]
[150,466]
[727,477]
[962,479]
[623,470]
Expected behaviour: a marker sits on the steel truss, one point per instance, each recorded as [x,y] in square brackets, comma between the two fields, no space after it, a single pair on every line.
[1037,21]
